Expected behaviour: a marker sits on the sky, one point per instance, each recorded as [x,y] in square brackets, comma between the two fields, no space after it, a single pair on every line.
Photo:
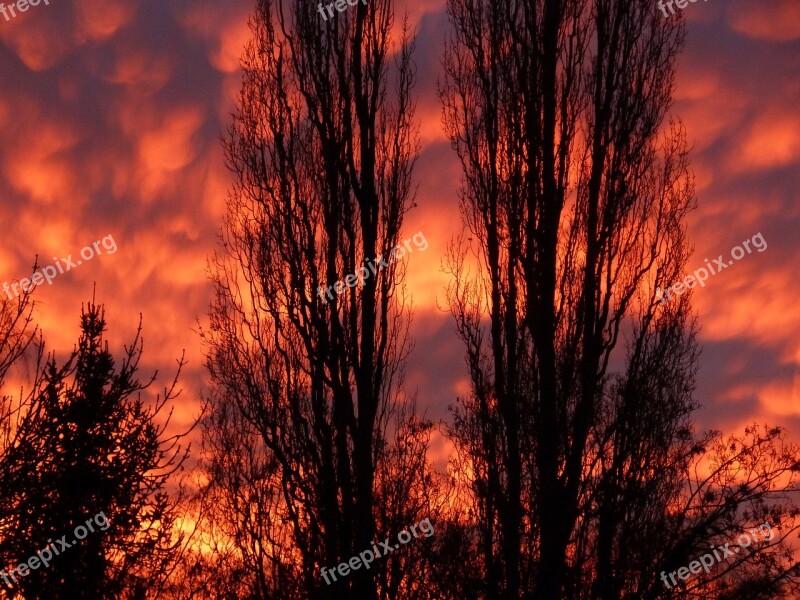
[111,113]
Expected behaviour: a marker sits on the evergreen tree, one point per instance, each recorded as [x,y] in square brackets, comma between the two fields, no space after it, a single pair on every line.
[93,450]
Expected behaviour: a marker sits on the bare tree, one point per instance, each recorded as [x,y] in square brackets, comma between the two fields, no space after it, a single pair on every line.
[322,146]
[252,554]
[574,200]
[21,354]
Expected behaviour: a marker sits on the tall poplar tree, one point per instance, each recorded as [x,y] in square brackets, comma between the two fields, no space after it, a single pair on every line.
[579,447]
[322,147]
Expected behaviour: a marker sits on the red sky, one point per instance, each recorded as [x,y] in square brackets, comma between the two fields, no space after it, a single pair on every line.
[110,117]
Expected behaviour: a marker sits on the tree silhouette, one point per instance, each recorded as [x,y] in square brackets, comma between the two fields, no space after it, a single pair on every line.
[21,353]
[92,445]
[322,148]
[579,449]
[251,551]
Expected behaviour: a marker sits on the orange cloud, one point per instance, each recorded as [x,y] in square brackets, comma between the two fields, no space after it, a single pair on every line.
[771,140]
[778,20]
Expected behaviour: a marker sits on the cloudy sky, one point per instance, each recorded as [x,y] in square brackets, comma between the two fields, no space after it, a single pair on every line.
[110,118]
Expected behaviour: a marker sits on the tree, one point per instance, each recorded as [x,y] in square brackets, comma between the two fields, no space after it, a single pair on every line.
[21,353]
[17,333]
[574,200]
[91,445]
[250,548]
[322,147]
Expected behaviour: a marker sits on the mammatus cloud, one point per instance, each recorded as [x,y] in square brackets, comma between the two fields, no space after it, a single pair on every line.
[111,113]
[777,21]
